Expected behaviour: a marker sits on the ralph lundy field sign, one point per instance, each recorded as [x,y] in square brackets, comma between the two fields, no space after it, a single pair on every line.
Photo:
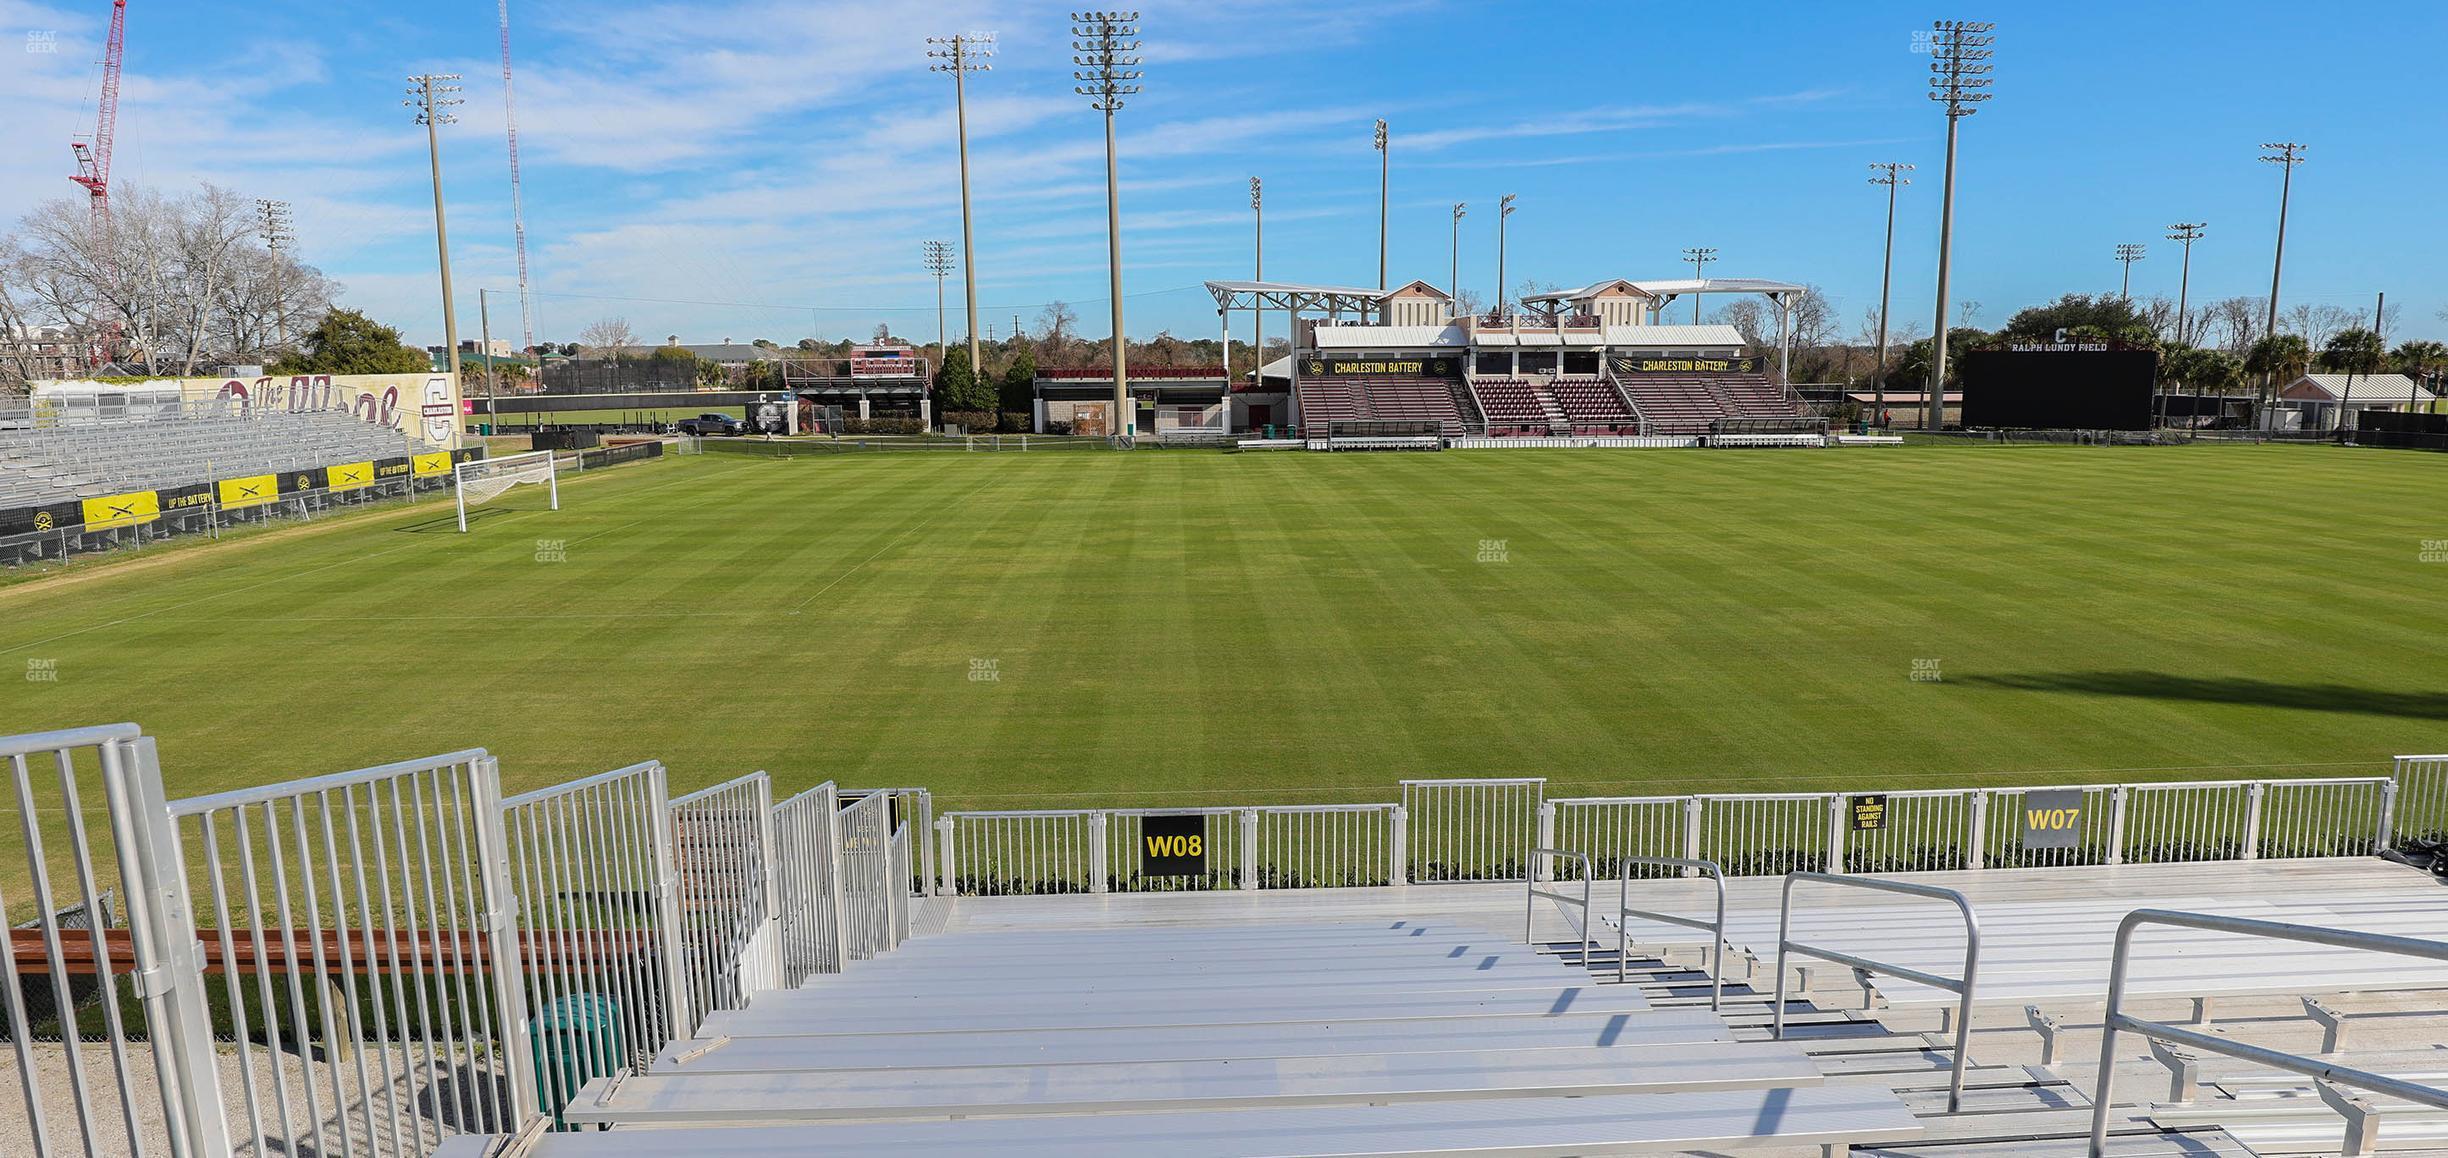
[2053,818]
[1173,846]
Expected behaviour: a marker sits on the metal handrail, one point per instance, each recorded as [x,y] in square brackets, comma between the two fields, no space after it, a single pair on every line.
[1963,987]
[1624,912]
[2117,1019]
[1530,901]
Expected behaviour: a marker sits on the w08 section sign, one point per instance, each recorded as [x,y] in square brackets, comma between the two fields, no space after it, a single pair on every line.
[1173,846]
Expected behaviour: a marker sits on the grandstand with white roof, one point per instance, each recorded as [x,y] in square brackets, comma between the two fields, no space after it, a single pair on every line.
[1593,366]
[404,960]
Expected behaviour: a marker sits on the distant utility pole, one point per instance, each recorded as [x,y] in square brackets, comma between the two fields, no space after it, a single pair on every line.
[1385,173]
[2186,233]
[431,97]
[961,55]
[1105,49]
[278,235]
[1504,213]
[1959,79]
[2128,253]
[938,259]
[1890,174]
[1257,273]
[484,336]
[1453,277]
[2286,155]
[1699,257]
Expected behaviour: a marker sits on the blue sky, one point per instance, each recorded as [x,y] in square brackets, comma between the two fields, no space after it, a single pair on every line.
[790,157]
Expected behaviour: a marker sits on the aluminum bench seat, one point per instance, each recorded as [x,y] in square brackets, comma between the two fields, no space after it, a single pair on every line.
[1124,977]
[1223,935]
[894,1051]
[986,967]
[1618,1124]
[786,1012]
[1093,1088]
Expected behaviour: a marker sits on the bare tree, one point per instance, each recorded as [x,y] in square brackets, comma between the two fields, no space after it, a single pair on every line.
[1056,326]
[608,335]
[1965,312]
[2238,321]
[2319,322]
[1748,316]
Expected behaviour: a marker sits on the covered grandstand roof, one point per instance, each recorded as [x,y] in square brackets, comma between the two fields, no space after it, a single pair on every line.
[1284,295]
[1371,337]
[1712,334]
[1717,285]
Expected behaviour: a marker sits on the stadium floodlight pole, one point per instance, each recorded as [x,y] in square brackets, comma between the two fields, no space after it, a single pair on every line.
[961,55]
[431,97]
[1959,79]
[2128,252]
[938,261]
[1385,173]
[484,336]
[1453,276]
[1504,213]
[278,236]
[2286,155]
[1257,273]
[1699,256]
[2186,232]
[1890,174]
[1105,49]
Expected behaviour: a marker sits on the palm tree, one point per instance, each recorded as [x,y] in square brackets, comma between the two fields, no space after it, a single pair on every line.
[2352,352]
[2422,360]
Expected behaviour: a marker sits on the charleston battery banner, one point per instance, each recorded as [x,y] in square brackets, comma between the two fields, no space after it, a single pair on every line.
[424,407]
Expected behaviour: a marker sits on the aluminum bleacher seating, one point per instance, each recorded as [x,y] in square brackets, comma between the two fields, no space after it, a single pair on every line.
[48,464]
[1327,401]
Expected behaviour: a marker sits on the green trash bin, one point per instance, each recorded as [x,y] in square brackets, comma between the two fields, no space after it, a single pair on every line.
[484,428]
[576,1039]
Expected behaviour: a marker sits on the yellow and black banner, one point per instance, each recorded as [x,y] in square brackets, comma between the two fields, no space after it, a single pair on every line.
[191,497]
[1173,846]
[349,476]
[122,510]
[1426,366]
[432,465]
[38,520]
[252,491]
[1687,365]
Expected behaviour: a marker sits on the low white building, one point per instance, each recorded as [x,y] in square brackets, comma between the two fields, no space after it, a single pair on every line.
[2329,401]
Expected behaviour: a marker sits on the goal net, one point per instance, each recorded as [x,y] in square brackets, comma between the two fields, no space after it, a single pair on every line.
[483,480]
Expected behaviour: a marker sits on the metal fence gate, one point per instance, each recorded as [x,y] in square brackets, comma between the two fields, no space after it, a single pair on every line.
[722,840]
[809,884]
[1472,830]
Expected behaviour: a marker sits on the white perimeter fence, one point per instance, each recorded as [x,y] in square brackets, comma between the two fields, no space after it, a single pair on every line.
[1448,831]
[372,961]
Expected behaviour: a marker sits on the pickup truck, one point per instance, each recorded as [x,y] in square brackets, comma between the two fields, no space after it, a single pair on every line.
[705,424]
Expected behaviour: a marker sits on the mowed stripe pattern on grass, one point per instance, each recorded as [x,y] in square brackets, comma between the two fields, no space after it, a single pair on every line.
[1188,627]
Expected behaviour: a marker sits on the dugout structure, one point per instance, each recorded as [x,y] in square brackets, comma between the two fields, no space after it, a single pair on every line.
[2066,385]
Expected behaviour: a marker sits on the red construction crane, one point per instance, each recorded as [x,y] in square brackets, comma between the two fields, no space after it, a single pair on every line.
[94,158]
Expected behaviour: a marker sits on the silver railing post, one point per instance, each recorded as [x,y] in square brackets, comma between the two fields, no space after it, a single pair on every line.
[1836,832]
[1248,819]
[1398,847]
[1546,839]
[1691,828]
[921,836]
[501,932]
[2387,835]
[667,903]
[770,865]
[2119,798]
[1625,912]
[1976,845]
[834,885]
[949,884]
[1963,987]
[169,966]
[2254,794]
[1100,860]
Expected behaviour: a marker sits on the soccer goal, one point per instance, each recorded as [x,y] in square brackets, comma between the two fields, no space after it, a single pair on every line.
[483,480]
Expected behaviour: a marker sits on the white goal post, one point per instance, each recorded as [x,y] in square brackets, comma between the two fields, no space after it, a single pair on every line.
[480,481]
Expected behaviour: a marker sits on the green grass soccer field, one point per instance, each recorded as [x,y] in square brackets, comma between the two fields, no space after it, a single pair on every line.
[1189,627]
